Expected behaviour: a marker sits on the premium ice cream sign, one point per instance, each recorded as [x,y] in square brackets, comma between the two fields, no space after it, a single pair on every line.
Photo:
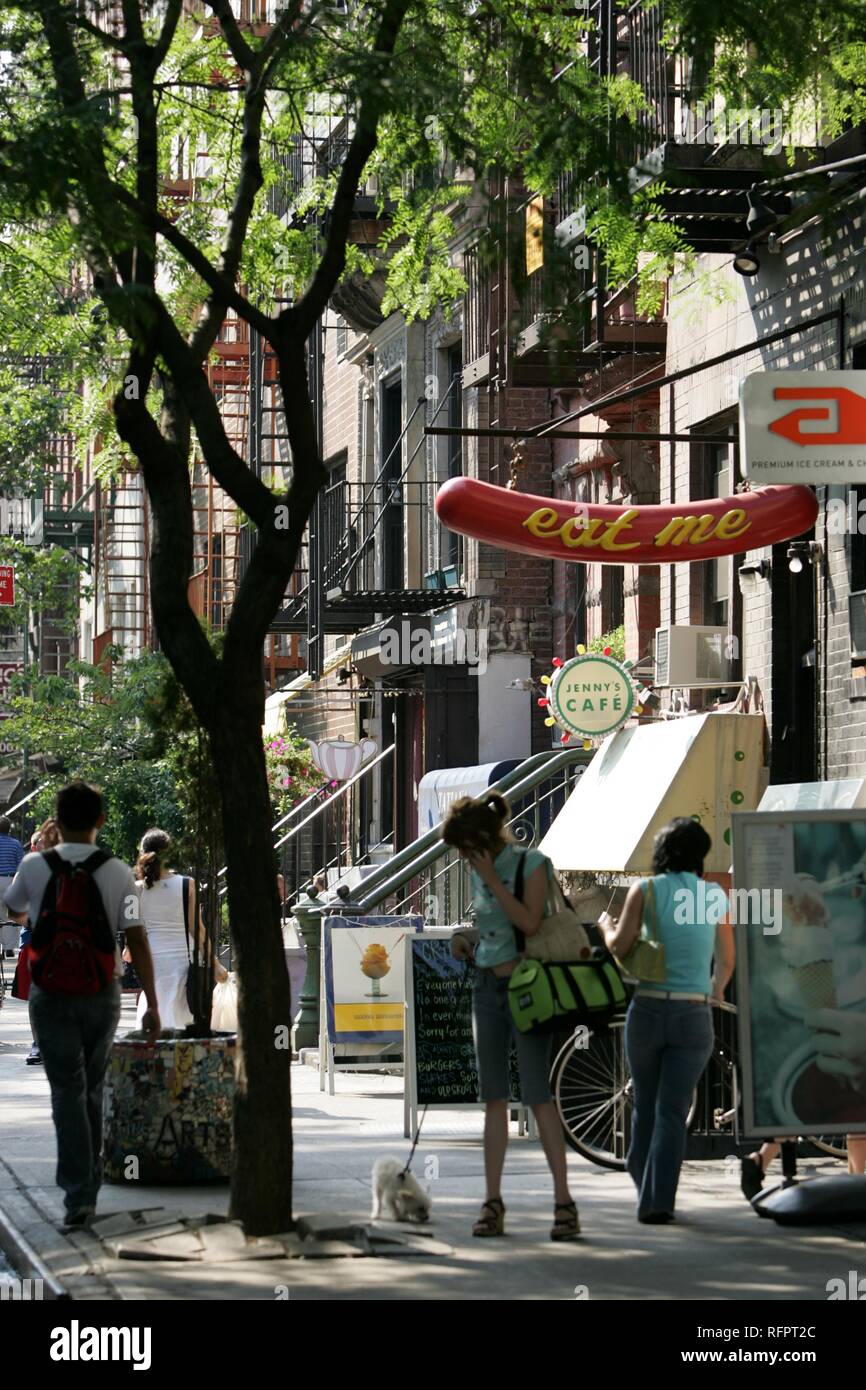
[611,535]
[590,695]
[803,427]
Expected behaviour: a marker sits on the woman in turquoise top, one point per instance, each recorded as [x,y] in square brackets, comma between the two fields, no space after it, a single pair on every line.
[478,829]
[669,1027]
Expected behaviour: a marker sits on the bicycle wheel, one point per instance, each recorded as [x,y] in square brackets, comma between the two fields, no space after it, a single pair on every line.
[833,1144]
[592,1088]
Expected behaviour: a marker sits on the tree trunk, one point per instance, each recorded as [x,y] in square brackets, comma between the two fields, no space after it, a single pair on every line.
[261,1193]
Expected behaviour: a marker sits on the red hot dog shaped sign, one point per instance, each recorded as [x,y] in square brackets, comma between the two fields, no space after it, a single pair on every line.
[616,535]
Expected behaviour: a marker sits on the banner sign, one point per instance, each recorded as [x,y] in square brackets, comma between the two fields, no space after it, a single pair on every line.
[365,977]
[534,235]
[7,586]
[591,695]
[800,898]
[803,427]
[616,535]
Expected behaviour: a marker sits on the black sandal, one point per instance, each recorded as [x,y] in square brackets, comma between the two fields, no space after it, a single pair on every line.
[751,1177]
[565,1227]
[493,1223]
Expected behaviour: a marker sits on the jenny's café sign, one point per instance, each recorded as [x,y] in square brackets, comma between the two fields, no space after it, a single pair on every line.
[7,586]
[591,695]
[803,427]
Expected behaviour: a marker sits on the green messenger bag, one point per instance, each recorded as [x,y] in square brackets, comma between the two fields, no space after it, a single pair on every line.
[549,996]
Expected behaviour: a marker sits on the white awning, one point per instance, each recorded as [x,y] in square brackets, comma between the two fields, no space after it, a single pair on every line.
[705,765]
[438,789]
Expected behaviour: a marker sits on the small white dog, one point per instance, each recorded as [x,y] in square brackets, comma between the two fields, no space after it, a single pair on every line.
[396,1194]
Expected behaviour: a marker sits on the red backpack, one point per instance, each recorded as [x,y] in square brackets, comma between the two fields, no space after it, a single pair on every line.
[73,945]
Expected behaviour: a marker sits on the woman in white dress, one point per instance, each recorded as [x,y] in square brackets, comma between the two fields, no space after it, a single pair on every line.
[161,893]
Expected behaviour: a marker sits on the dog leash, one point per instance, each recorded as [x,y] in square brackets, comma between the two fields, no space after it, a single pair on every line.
[467,975]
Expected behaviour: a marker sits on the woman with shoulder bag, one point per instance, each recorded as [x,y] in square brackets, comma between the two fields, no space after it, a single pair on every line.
[669,1026]
[165,919]
[478,830]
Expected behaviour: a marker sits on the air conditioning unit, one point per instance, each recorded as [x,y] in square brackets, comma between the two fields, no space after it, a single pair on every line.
[687,657]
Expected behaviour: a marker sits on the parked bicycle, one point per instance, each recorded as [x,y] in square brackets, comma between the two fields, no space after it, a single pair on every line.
[592,1087]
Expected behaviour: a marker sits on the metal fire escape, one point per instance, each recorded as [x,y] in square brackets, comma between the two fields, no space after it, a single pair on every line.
[343,580]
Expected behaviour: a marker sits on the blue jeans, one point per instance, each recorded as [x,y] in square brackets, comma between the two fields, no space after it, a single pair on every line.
[74,1035]
[668,1044]
[493,1033]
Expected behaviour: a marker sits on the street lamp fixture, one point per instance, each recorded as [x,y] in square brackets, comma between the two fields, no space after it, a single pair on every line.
[802,553]
[746,263]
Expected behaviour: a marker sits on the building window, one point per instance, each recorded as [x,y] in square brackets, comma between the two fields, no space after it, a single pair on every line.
[452,554]
[477,304]
[342,337]
[391,468]
[612,597]
[719,571]
[714,474]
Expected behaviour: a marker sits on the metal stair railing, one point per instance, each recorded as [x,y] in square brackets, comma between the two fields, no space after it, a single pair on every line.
[560,770]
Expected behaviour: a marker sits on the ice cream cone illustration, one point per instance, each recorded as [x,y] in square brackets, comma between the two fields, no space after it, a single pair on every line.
[375,965]
[807,944]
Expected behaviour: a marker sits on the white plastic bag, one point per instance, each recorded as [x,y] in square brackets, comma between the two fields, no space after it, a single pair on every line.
[224,1012]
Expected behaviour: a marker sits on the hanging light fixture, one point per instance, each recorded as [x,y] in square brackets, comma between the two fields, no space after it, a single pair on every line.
[746,263]
[802,553]
[759,218]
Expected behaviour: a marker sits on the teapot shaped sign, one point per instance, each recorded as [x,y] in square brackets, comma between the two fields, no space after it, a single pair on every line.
[339,759]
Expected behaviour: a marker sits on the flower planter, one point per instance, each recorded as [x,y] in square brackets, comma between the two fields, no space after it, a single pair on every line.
[168,1105]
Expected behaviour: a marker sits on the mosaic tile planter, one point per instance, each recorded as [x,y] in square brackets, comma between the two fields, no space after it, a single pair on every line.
[168,1106]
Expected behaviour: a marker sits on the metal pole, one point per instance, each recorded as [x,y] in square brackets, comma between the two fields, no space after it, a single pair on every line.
[653,437]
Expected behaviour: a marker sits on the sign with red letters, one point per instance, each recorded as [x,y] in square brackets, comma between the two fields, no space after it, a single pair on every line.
[803,427]
[7,586]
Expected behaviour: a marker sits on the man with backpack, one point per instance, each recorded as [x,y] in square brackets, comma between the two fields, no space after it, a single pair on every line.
[77,898]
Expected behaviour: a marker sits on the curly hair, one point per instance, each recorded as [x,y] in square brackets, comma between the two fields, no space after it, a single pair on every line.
[48,834]
[477,823]
[155,844]
[681,847]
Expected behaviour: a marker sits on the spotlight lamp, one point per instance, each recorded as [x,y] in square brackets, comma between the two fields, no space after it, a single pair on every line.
[803,553]
[746,263]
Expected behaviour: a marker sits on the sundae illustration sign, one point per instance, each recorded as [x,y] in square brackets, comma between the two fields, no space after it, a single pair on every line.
[364,974]
[802,993]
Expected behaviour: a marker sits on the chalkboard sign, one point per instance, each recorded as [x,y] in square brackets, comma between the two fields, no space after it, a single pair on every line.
[441,1054]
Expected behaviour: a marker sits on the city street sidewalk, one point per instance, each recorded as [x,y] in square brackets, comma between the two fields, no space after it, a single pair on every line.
[719,1249]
